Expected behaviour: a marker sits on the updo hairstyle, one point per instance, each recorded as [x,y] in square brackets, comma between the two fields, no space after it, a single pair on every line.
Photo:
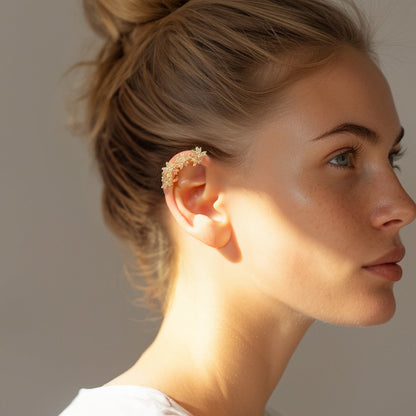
[175,74]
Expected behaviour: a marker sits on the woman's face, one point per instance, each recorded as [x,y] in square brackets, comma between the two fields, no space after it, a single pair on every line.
[311,212]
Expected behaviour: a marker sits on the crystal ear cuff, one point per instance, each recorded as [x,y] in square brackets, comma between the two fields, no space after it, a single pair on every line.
[171,171]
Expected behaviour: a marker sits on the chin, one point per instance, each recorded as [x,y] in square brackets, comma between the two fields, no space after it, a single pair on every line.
[382,309]
[379,318]
[371,313]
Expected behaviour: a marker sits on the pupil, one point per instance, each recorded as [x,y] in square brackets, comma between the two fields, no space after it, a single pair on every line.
[343,159]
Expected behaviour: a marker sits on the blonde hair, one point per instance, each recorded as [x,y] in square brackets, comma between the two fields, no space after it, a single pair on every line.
[175,74]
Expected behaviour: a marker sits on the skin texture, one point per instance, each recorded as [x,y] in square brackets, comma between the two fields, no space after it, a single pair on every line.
[266,251]
[322,223]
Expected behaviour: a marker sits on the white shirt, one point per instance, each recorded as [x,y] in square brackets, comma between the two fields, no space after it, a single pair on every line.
[117,400]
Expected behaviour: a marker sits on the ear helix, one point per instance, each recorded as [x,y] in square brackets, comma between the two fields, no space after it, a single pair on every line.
[170,173]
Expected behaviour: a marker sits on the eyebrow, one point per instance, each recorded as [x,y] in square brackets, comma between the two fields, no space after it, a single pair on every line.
[363,132]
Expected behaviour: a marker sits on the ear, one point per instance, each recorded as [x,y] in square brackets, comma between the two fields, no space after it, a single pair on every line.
[196,202]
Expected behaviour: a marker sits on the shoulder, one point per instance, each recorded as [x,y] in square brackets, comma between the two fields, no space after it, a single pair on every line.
[123,401]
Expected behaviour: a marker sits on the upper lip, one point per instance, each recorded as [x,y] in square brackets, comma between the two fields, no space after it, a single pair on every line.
[393,256]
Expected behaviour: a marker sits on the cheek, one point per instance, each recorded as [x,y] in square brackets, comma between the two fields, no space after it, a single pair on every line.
[295,235]
[315,202]
[305,253]
[317,214]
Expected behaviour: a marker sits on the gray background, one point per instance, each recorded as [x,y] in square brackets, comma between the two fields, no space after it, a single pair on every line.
[66,314]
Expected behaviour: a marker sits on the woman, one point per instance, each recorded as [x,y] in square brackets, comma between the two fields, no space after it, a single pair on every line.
[279,204]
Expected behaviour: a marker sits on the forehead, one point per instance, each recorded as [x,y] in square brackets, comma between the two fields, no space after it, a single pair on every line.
[351,88]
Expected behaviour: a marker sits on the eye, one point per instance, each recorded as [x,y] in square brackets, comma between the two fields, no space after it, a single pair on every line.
[344,160]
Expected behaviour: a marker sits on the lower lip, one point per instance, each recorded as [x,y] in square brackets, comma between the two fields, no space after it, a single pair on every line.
[389,271]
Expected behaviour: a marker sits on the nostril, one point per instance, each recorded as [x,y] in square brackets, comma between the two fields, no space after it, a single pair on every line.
[394,212]
[393,222]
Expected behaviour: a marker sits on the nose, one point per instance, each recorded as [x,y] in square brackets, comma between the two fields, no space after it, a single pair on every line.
[393,207]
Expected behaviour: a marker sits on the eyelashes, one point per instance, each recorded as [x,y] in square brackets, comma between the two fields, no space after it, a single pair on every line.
[356,150]
[396,156]
[344,157]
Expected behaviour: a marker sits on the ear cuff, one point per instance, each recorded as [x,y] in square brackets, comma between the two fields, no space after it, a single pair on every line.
[171,171]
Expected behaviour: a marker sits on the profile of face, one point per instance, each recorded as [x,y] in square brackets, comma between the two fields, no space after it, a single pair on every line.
[315,207]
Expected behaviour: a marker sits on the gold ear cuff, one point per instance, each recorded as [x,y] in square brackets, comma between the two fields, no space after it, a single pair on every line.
[171,171]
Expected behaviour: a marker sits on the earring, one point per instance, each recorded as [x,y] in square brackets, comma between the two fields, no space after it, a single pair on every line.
[171,171]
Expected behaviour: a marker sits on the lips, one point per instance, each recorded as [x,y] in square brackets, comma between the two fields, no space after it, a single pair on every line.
[386,266]
[393,256]
[389,271]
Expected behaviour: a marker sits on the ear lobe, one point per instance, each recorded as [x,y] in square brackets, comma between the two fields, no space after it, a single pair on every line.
[195,202]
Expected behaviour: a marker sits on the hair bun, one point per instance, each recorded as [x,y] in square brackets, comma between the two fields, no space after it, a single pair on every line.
[115,18]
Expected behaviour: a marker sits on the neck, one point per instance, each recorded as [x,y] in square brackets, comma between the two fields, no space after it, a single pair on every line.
[221,352]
